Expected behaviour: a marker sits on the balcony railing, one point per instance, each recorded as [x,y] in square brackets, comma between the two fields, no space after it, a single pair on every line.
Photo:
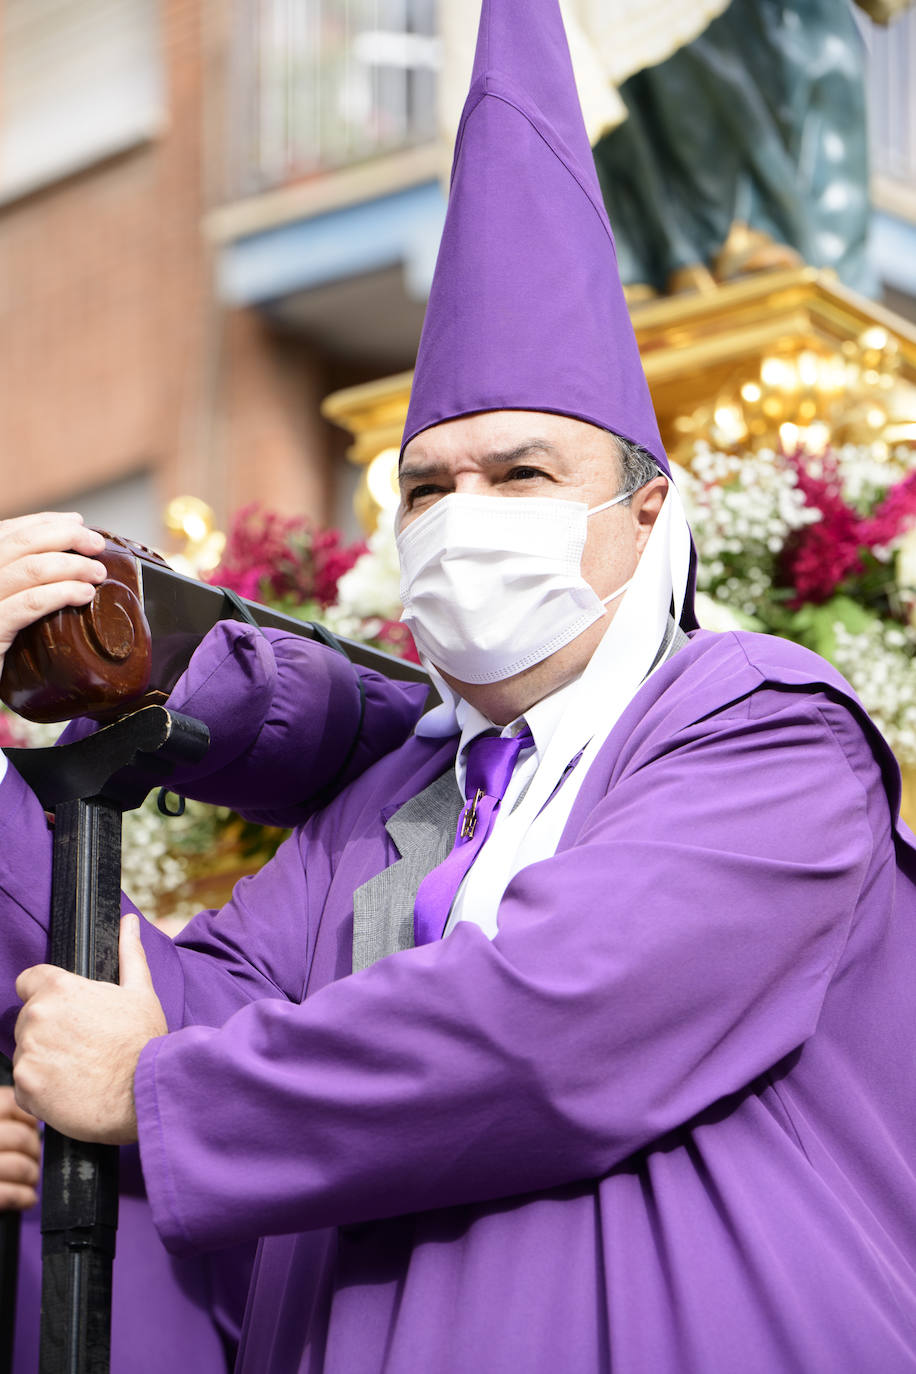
[323,84]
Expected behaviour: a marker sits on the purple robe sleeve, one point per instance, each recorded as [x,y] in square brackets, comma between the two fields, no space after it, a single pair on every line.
[284,714]
[219,963]
[678,946]
[291,721]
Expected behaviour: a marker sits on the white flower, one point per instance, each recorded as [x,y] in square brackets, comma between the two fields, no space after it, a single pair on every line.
[153,869]
[878,662]
[866,472]
[742,509]
[716,615]
[372,587]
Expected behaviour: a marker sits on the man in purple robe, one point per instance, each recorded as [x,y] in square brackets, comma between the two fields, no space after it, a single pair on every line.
[632,1091]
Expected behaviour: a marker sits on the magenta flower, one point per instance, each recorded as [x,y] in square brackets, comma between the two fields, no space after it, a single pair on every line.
[822,555]
[269,557]
[893,517]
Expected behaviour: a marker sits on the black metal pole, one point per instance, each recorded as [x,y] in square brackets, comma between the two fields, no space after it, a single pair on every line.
[79,1181]
[9,1261]
[89,784]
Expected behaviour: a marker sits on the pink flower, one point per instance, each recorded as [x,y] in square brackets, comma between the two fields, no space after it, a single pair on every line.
[11,737]
[397,639]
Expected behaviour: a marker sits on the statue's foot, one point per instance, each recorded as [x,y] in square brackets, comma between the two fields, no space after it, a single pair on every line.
[747,251]
[694,277]
[639,293]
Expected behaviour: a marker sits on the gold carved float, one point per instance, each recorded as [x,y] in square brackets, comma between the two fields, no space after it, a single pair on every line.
[782,357]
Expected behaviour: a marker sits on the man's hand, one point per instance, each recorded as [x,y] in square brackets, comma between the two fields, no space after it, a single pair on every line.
[78,1042]
[20,1151]
[46,563]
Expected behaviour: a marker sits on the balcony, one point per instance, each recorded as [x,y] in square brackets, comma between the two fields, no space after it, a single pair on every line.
[320,85]
[335,202]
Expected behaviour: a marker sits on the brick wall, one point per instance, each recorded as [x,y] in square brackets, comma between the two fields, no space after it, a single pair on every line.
[114,357]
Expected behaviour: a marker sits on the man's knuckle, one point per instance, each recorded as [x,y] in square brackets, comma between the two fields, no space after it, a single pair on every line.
[16,1197]
[27,1082]
[25,1140]
[8,1135]
[45,979]
[17,1168]
[32,600]
[31,1014]
[31,569]
[20,536]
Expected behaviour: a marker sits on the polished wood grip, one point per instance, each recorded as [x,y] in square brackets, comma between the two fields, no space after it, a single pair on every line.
[92,660]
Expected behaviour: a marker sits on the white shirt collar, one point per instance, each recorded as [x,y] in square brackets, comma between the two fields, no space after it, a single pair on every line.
[541,719]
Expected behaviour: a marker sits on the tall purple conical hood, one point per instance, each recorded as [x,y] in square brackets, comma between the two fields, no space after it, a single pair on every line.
[526,310]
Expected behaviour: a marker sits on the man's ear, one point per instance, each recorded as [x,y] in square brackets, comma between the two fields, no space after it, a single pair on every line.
[645,506]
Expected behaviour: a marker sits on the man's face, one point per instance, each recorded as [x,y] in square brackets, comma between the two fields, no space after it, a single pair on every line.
[510,453]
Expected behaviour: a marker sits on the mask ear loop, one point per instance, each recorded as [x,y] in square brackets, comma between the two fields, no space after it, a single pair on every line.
[619,592]
[624,496]
[615,501]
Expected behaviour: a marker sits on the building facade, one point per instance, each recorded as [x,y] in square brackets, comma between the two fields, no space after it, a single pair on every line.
[215,212]
[145,155]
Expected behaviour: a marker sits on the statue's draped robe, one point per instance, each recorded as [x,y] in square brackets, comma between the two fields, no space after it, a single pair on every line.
[761,120]
[664,1121]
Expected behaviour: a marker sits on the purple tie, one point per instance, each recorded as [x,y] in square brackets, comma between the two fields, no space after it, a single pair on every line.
[491,760]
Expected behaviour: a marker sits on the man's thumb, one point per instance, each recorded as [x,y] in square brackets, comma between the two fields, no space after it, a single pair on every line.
[133,968]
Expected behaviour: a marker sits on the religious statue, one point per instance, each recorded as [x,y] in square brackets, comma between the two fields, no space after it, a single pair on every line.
[729,137]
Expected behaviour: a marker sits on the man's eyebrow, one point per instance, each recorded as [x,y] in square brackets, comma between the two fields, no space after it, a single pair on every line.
[411,472]
[522,450]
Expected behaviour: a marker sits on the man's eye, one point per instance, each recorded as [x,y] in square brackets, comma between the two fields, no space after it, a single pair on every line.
[421,493]
[524,474]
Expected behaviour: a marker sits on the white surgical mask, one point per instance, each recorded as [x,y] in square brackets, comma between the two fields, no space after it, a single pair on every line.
[492,585]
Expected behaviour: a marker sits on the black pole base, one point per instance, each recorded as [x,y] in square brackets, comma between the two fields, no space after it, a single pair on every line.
[9,1261]
[76,1280]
